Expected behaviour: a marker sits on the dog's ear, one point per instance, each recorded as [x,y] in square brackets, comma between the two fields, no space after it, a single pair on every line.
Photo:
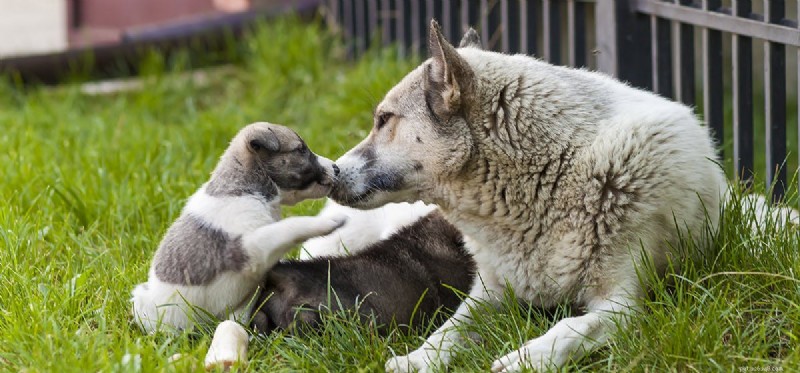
[446,75]
[263,140]
[470,40]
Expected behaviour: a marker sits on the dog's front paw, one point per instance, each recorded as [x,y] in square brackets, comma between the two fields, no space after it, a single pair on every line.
[535,354]
[419,360]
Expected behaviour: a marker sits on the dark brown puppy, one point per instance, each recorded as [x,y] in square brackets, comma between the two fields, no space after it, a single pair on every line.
[404,279]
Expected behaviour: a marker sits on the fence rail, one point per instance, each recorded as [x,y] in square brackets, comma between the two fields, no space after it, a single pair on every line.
[661,45]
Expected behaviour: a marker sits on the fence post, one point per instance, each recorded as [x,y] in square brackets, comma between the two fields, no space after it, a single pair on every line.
[606,37]
[634,57]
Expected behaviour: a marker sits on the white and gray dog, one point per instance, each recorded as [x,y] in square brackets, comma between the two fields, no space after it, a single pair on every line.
[229,234]
[565,181]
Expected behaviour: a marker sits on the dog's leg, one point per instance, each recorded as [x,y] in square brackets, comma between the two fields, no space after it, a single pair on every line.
[573,337]
[268,244]
[438,348]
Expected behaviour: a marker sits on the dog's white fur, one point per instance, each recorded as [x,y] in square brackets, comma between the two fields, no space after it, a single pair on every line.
[564,180]
[363,227]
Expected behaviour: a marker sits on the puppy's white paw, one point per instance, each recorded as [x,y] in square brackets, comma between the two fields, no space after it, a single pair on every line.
[419,360]
[332,223]
[228,347]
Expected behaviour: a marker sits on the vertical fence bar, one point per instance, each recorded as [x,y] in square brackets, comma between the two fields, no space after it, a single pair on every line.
[571,32]
[360,35]
[505,25]
[372,18]
[634,62]
[349,27]
[775,104]
[524,26]
[465,22]
[546,30]
[384,18]
[742,50]
[514,30]
[685,64]
[486,31]
[555,31]
[448,21]
[416,24]
[663,59]
[655,44]
[606,37]
[712,77]
[580,34]
[495,25]
[531,44]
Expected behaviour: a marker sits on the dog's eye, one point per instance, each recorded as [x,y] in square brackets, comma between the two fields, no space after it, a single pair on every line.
[301,149]
[382,119]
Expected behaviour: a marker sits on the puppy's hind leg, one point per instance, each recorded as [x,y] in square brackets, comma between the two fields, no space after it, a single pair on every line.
[268,244]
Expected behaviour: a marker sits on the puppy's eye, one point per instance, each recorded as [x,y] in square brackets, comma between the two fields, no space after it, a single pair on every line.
[381,119]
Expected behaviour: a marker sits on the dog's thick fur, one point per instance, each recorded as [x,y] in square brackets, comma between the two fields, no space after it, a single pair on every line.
[229,233]
[565,179]
[405,278]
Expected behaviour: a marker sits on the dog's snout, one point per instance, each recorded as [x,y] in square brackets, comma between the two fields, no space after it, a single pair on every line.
[335,170]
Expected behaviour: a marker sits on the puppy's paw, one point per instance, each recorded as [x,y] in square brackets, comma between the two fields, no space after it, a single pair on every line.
[228,347]
[332,223]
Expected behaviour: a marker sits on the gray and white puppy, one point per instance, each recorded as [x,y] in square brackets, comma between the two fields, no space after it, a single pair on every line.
[229,234]
[405,279]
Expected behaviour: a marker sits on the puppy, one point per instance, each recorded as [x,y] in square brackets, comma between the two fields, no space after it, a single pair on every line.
[228,235]
[404,279]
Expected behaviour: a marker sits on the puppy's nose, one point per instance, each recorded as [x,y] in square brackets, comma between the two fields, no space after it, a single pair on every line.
[335,170]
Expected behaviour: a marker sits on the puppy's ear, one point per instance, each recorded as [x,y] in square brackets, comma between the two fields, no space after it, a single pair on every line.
[446,75]
[470,40]
[263,140]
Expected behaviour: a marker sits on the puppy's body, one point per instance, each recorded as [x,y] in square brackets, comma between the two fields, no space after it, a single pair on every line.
[228,235]
[363,227]
[404,278]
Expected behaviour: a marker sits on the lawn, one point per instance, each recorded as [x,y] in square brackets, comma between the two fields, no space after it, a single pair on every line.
[90,183]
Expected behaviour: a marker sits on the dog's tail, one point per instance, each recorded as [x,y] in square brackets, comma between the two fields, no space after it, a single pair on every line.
[761,214]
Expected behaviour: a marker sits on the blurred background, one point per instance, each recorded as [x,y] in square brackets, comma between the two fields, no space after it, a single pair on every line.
[44,26]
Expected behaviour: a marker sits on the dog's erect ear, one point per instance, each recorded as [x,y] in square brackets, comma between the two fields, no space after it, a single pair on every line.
[470,40]
[446,75]
[263,140]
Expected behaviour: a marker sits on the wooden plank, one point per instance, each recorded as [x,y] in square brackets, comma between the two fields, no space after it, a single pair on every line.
[606,37]
[775,32]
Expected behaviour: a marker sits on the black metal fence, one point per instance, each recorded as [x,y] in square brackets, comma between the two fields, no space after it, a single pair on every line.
[735,61]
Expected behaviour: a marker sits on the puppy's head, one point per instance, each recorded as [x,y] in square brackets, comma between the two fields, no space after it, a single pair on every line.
[270,154]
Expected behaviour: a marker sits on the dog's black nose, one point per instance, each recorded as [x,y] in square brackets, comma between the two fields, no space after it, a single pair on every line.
[335,170]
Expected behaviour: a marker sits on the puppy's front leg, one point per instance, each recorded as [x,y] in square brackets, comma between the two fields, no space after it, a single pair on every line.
[268,244]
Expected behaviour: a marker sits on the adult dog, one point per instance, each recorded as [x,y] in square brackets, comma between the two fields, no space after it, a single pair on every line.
[564,179]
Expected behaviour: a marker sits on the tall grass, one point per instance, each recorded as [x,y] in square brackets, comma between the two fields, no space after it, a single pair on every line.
[90,183]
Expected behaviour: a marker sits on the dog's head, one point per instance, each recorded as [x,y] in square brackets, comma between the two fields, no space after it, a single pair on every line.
[272,159]
[420,135]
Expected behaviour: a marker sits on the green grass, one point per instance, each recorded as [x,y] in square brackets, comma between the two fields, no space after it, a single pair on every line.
[91,183]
